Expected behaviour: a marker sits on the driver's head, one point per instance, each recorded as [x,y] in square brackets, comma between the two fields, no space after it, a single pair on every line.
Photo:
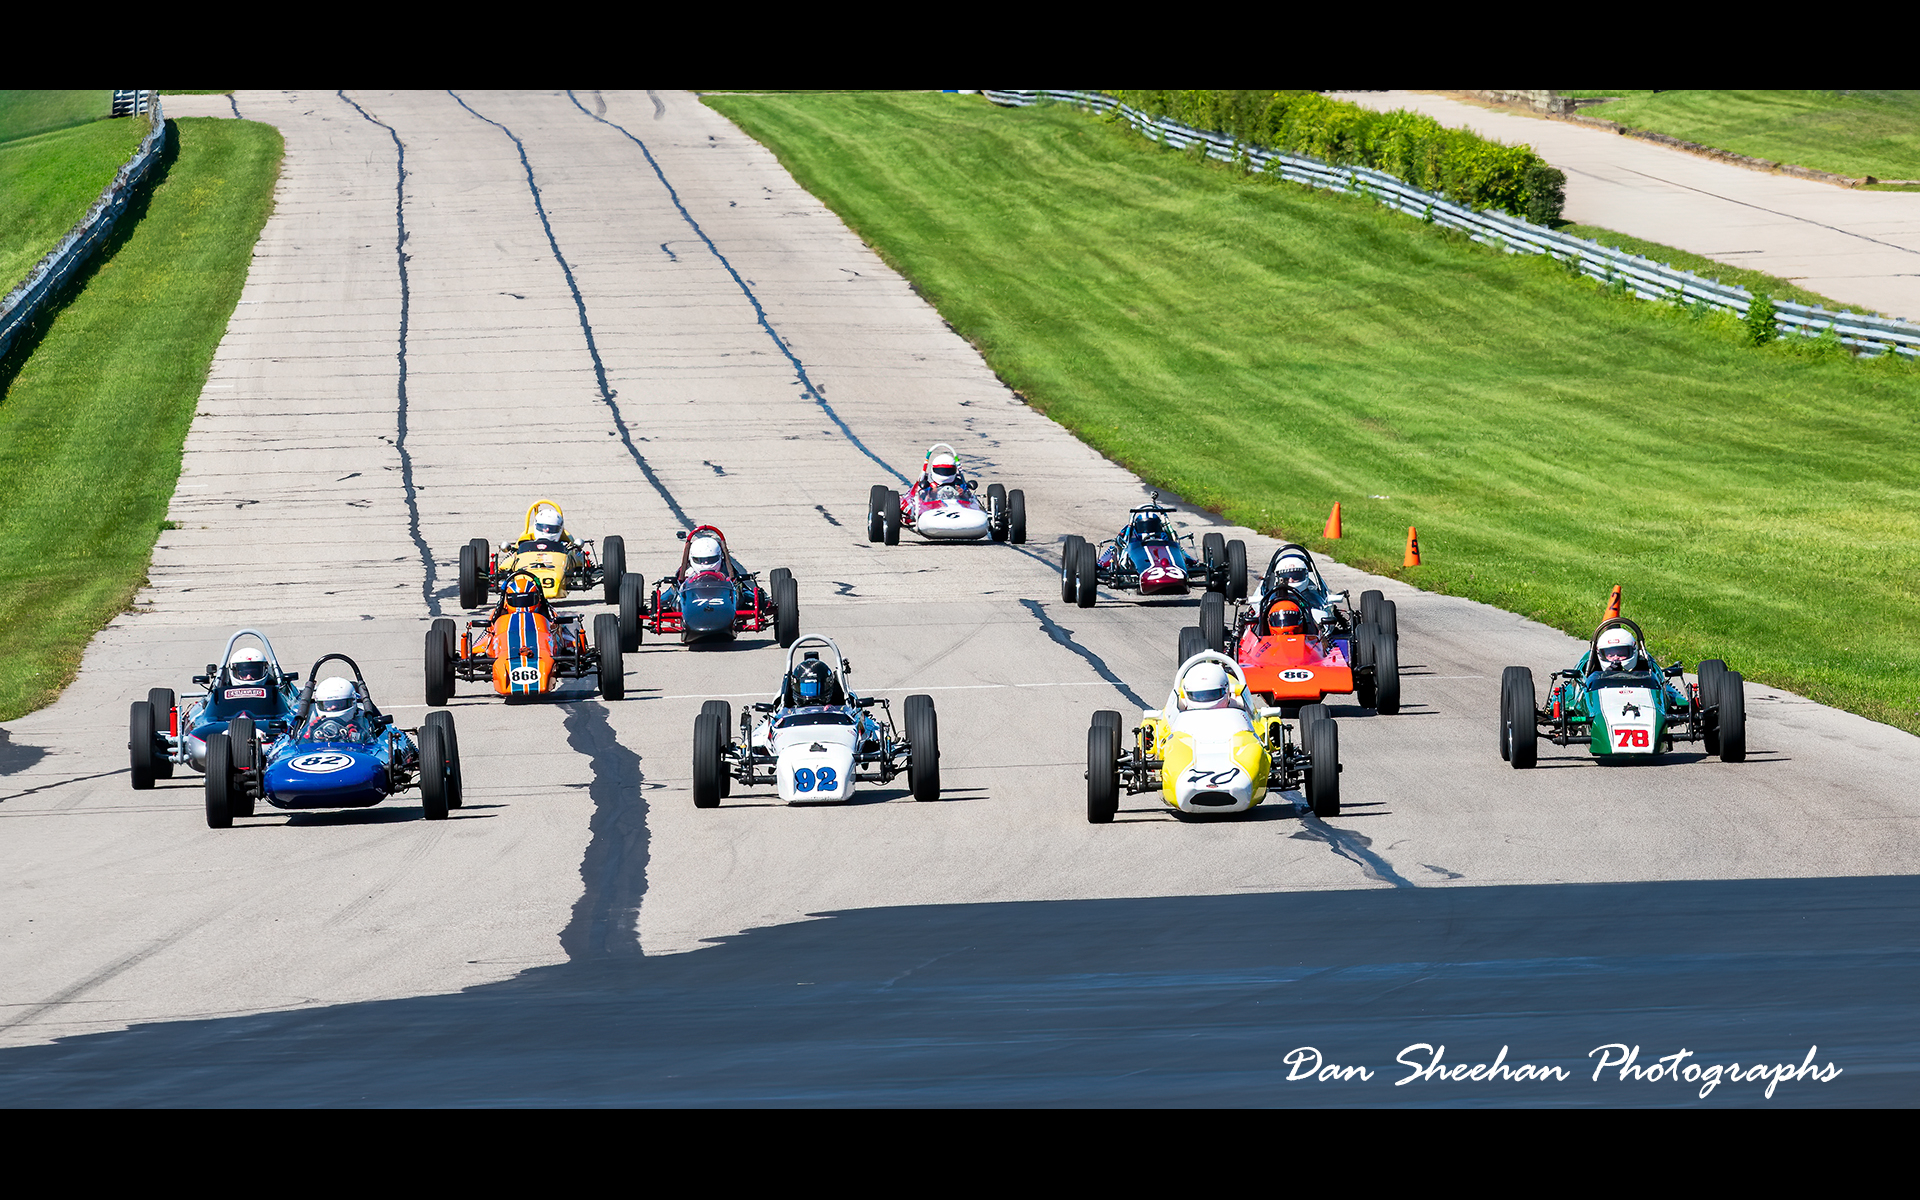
[1290,571]
[813,682]
[1206,685]
[247,666]
[1147,523]
[1285,617]
[522,591]
[1616,650]
[943,469]
[334,699]
[704,554]
[547,523]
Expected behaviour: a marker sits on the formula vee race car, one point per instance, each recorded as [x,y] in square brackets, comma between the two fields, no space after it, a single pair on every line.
[1149,557]
[712,599]
[816,739]
[247,682]
[524,648]
[1300,642]
[561,564]
[945,506]
[1622,705]
[1209,750]
[340,752]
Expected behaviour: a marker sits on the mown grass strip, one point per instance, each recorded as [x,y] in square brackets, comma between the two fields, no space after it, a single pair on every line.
[1848,133]
[25,113]
[1267,350]
[92,425]
[48,182]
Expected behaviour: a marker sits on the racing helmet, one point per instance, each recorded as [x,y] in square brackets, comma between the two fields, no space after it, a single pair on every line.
[1285,617]
[813,682]
[1615,650]
[547,523]
[942,469]
[522,591]
[705,553]
[334,703]
[247,666]
[1291,571]
[1206,685]
[1148,524]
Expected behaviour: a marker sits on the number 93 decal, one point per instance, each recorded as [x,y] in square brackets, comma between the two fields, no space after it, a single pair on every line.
[806,779]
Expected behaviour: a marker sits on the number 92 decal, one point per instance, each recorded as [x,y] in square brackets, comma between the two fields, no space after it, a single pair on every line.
[806,779]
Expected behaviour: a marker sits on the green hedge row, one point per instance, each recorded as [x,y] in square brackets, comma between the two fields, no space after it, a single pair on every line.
[1462,166]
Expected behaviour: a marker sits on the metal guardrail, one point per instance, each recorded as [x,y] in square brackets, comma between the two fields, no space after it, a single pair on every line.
[27,301]
[1643,277]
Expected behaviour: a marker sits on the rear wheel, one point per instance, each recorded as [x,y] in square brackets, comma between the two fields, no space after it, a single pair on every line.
[1366,682]
[890,518]
[633,597]
[219,782]
[1069,563]
[1192,642]
[1523,736]
[456,788]
[997,512]
[1103,771]
[471,592]
[246,756]
[722,714]
[876,505]
[1507,677]
[1213,621]
[1310,715]
[1236,570]
[1387,617]
[439,666]
[613,667]
[433,772]
[1323,776]
[613,565]
[707,733]
[1370,606]
[786,611]
[1386,671]
[1733,717]
[1213,550]
[163,702]
[1108,717]
[1017,517]
[1086,582]
[923,735]
[140,744]
[1710,672]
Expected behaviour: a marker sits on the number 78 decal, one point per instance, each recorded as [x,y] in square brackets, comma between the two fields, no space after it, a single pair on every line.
[1624,738]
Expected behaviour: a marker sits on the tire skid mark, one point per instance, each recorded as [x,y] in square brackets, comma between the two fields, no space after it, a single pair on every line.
[1353,847]
[421,848]
[430,571]
[1064,637]
[120,966]
[614,868]
[607,394]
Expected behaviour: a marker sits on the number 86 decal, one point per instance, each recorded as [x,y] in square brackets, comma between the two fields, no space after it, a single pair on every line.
[805,779]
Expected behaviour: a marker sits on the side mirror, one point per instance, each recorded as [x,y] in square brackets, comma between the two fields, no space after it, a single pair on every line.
[1675,670]
[865,702]
[846,666]
[384,720]
[680,535]
[292,677]
[1270,714]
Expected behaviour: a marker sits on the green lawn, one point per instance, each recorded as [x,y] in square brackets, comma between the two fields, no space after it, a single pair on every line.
[1848,133]
[92,425]
[1706,268]
[48,181]
[23,114]
[1267,350]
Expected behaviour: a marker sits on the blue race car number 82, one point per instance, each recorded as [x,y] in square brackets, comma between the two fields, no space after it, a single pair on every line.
[805,779]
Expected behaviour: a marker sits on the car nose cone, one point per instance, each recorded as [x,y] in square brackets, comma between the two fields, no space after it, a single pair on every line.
[708,609]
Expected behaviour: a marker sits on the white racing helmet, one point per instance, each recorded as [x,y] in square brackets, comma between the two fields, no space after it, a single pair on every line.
[1206,685]
[705,554]
[1615,650]
[1291,570]
[334,697]
[547,522]
[247,666]
[943,469]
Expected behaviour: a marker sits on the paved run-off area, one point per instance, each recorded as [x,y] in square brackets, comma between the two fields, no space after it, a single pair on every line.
[620,302]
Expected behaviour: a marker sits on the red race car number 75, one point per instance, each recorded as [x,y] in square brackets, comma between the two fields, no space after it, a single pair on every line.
[1623,738]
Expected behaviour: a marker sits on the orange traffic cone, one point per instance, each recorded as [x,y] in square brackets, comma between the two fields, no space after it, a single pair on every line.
[1413,549]
[1333,522]
[1613,604]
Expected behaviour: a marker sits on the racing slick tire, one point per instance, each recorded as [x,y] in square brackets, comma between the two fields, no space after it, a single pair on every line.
[1017,517]
[1192,642]
[997,512]
[876,505]
[439,663]
[1069,562]
[1086,582]
[707,769]
[1103,770]
[1213,621]
[1107,716]
[472,589]
[613,566]
[1310,716]
[140,745]
[890,518]
[163,701]
[433,773]
[1506,690]
[246,755]
[1236,570]
[786,611]
[1710,672]
[1517,718]
[456,787]
[1366,684]
[219,782]
[1322,786]
[633,597]
[613,668]
[1370,606]
[1733,717]
[1386,672]
[722,713]
[1213,552]
[923,735]
[1387,617]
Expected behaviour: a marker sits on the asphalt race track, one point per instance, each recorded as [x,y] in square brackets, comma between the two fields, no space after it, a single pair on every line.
[618,301]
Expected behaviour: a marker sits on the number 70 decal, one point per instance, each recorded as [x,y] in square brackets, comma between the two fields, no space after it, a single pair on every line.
[1624,738]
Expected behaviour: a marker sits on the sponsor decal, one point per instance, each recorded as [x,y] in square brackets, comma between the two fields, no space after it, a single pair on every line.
[258,693]
[322,764]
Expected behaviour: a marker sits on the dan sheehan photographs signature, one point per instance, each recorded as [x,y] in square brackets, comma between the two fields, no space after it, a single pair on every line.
[1426,1063]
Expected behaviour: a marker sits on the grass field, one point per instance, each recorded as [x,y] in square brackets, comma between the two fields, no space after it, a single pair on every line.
[1848,133]
[25,113]
[92,425]
[1267,350]
[48,181]
[1706,268]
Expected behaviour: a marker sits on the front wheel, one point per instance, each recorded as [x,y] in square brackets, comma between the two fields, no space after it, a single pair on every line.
[707,736]
[1017,517]
[439,666]
[1236,570]
[246,757]
[1213,551]
[786,611]
[1522,734]
[1386,671]
[1103,771]
[1192,642]
[1213,621]
[219,782]
[876,508]
[1069,563]
[613,667]
[1366,681]
[890,518]
[613,565]
[1323,776]
[1710,672]
[433,772]
[723,720]
[471,588]
[1733,717]
[140,745]
[163,701]
[923,735]
[997,512]
[456,787]
[633,597]
[1087,577]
